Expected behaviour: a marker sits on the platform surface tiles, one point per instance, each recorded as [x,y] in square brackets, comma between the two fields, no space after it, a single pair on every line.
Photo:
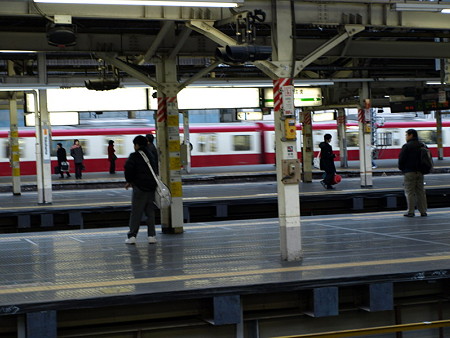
[88,268]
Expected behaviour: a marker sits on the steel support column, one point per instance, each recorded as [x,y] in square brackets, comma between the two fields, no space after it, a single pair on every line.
[14,144]
[286,148]
[341,119]
[168,138]
[365,137]
[308,146]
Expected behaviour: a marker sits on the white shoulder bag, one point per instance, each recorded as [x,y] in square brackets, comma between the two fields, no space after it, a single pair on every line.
[163,197]
[316,161]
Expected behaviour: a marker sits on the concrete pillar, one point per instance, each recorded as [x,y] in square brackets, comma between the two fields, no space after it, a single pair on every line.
[14,145]
[439,135]
[308,146]
[365,137]
[341,120]
[43,139]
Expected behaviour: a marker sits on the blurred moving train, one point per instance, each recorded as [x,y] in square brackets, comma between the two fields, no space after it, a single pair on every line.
[213,145]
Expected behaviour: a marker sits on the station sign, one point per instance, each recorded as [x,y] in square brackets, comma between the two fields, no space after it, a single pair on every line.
[418,105]
[303,97]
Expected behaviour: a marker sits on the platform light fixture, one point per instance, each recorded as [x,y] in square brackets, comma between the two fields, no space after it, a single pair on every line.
[421,7]
[178,3]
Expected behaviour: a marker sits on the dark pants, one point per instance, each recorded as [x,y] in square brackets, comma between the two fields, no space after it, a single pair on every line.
[329,177]
[112,166]
[78,169]
[415,192]
[142,202]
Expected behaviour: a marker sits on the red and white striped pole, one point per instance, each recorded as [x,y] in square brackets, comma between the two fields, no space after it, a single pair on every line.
[277,92]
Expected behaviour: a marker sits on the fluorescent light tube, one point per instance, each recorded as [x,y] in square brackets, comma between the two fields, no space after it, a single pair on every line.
[198,3]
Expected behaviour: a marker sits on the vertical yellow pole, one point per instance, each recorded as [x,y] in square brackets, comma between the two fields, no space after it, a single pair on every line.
[14,145]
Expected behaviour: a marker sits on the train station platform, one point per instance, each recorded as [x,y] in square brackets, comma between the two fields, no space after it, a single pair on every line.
[88,208]
[223,279]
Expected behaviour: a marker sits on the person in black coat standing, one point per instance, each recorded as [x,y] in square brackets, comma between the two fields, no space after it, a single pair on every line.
[111,157]
[408,163]
[139,177]
[327,162]
[62,157]
[76,151]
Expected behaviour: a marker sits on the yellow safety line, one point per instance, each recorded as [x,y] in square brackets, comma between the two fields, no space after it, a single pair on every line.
[85,285]
[375,330]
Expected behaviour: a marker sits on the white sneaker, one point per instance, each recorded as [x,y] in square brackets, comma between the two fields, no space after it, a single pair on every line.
[131,240]
[151,239]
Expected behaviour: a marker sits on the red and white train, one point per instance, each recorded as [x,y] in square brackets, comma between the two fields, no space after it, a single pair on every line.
[212,145]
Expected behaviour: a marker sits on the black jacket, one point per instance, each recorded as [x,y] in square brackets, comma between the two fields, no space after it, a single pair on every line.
[138,173]
[327,157]
[409,158]
[61,155]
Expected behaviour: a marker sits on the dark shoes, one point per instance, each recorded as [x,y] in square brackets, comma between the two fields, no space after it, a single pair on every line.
[423,214]
[323,184]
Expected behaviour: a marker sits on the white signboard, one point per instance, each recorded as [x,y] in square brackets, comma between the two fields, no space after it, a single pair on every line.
[83,99]
[215,98]
[287,92]
[56,119]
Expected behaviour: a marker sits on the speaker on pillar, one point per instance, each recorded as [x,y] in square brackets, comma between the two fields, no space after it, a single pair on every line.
[61,35]
[243,53]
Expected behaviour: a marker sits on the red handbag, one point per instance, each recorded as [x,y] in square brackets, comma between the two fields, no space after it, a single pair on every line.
[337,179]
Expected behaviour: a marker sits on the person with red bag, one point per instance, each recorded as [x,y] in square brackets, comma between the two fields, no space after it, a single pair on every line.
[327,162]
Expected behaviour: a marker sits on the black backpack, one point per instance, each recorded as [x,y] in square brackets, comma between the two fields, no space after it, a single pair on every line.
[425,160]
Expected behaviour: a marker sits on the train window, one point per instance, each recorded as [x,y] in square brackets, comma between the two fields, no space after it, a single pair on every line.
[384,139]
[3,150]
[66,144]
[427,136]
[207,143]
[213,143]
[119,145]
[21,148]
[352,139]
[241,142]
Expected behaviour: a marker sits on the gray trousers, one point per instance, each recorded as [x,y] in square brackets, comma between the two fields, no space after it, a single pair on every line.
[142,202]
[415,192]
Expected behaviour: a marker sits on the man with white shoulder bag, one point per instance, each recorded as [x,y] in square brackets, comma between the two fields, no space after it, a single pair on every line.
[139,176]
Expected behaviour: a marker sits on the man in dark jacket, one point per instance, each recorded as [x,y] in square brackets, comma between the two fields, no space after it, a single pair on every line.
[151,146]
[408,163]
[327,162]
[76,151]
[139,176]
